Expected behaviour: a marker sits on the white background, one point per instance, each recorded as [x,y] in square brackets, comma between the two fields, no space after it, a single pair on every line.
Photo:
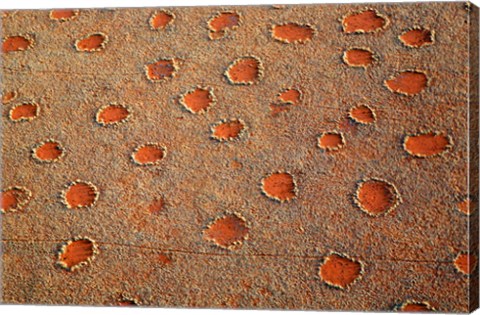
[76,310]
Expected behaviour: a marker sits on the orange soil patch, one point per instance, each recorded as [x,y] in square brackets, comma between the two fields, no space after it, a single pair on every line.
[408,83]
[279,186]
[417,37]
[9,96]
[127,303]
[340,271]
[363,22]
[227,231]
[222,23]
[465,263]
[80,194]
[156,206]
[161,70]
[14,199]
[149,154]
[357,57]
[362,114]
[245,70]
[376,197]
[24,112]
[198,100]
[164,259]
[48,151]
[290,96]
[112,114]
[92,42]
[331,141]
[63,15]
[228,130]
[412,306]
[464,206]
[427,144]
[16,43]
[76,253]
[293,33]
[161,19]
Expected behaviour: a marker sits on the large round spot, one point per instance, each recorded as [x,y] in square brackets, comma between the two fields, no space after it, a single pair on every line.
[293,33]
[91,42]
[80,194]
[161,19]
[63,14]
[161,70]
[198,100]
[112,114]
[408,82]
[331,141]
[362,114]
[16,43]
[222,23]
[426,144]
[76,253]
[279,186]
[465,263]
[414,306]
[376,197]
[417,37]
[149,154]
[24,112]
[244,70]
[14,199]
[290,96]
[340,271]
[227,130]
[227,231]
[367,21]
[358,57]
[48,151]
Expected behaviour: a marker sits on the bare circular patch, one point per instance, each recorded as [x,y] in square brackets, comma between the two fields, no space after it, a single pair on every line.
[24,112]
[358,57]
[331,141]
[63,15]
[362,114]
[161,19]
[48,151]
[198,100]
[340,271]
[228,231]
[376,197]
[293,33]
[161,70]
[149,154]
[279,186]
[17,43]
[245,71]
[409,82]
[8,96]
[465,263]
[15,199]
[223,23]
[228,129]
[427,144]
[414,306]
[76,253]
[113,114]
[367,21]
[80,194]
[417,37]
[91,42]
[290,96]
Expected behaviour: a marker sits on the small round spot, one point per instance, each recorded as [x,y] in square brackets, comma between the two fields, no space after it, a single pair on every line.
[91,42]
[15,199]
[76,253]
[376,197]
[80,194]
[293,33]
[465,206]
[48,151]
[331,141]
[164,259]
[362,114]
[63,14]
[465,263]
[244,71]
[149,154]
[427,144]
[417,37]
[161,70]
[113,114]
[367,21]
[290,96]
[198,100]
[223,23]
[161,19]
[156,206]
[358,57]
[279,186]
[228,231]
[8,96]
[228,130]
[340,271]
[408,82]
[414,306]
[17,43]
[24,112]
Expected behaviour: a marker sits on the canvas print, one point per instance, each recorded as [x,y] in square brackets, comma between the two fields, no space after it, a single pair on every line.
[310,157]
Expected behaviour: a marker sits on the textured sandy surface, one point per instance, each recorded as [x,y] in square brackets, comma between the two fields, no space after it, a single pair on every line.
[169,202]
